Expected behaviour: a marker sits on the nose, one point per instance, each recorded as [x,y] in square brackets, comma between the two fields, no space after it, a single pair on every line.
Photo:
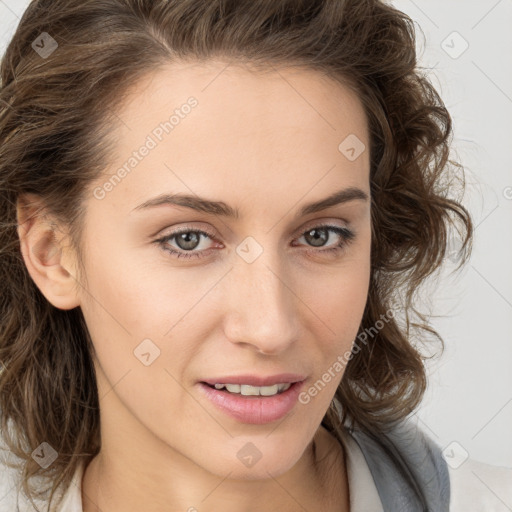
[262,307]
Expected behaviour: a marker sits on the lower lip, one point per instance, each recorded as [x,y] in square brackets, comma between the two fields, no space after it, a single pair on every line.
[254,409]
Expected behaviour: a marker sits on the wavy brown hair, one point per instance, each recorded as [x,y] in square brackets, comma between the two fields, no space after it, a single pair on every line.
[55,119]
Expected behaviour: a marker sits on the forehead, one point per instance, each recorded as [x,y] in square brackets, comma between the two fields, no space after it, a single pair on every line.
[274,97]
[286,128]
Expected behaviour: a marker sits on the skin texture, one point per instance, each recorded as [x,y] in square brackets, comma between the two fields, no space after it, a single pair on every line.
[267,144]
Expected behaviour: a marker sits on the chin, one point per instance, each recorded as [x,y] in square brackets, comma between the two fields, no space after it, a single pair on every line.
[257,460]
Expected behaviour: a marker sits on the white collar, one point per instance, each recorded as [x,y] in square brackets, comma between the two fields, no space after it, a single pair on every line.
[363,493]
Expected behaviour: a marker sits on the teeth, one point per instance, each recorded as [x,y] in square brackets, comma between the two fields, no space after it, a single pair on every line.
[247,390]
[233,388]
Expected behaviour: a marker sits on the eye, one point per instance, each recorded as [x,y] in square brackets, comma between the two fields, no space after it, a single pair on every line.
[188,240]
[319,235]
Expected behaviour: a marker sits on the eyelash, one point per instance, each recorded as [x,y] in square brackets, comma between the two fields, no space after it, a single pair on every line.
[346,237]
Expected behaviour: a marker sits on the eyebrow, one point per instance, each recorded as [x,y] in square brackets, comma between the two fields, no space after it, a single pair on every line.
[221,208]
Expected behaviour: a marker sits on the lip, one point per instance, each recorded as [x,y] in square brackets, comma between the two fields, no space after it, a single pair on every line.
[256,410]
[257,380]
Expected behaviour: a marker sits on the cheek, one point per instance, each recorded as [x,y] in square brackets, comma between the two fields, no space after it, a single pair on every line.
[142,338]
[335,303]
[131,291]
[126,312]
[142,311]
[339,294]
[338,306]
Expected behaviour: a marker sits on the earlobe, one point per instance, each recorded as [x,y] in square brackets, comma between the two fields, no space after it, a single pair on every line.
[45,255]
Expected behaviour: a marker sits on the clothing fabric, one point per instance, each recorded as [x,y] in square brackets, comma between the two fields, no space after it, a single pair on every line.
[375,485]
[418,468]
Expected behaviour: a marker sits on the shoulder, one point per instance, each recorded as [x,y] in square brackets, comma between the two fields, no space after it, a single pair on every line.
[480,487]
[471,486]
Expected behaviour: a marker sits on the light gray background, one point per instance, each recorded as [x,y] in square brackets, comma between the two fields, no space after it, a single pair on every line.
[467,409]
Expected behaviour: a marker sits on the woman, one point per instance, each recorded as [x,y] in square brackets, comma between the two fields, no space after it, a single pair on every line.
[216,216]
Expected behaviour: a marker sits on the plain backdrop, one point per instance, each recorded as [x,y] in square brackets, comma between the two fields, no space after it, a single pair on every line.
[465,47]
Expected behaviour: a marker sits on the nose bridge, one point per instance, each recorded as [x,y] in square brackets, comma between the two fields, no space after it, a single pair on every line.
[262,308]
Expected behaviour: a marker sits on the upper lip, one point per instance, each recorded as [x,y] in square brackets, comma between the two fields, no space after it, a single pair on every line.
[257,380]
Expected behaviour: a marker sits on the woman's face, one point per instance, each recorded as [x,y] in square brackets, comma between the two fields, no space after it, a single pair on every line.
[266,292]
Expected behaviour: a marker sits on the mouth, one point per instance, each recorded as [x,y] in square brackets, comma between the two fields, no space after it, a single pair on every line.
[253,405]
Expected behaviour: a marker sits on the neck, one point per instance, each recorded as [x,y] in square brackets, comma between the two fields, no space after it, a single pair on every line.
[318,479]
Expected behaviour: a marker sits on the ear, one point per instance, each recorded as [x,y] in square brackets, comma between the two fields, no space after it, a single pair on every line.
[48,257]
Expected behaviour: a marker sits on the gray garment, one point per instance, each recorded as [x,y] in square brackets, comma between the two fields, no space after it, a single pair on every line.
[416,455]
